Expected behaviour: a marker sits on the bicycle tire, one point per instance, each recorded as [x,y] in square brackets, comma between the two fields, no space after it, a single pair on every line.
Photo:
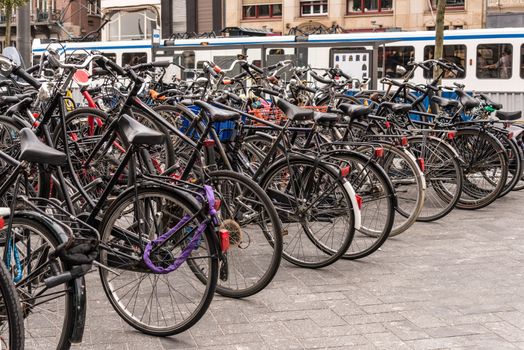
[10,303]
[270,243]
[209,244]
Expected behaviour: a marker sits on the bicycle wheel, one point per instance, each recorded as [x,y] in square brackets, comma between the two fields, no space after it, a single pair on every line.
[515,169]
[485,167]
[443,174]
[314,205]
[11,317]
[156,304]
[409,183]
[255,234]
[49,313]
[372,184]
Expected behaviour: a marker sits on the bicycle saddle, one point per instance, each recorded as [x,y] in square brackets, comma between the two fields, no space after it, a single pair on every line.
[490,102]
[35,151]
[294,112]
[467,101]
[139,134]
[355,111]
[508,115]
[325,118]
[397,107]
[444,102]
[217,114]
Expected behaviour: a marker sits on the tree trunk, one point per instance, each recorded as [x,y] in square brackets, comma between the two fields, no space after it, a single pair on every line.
[8,14]
[439,33]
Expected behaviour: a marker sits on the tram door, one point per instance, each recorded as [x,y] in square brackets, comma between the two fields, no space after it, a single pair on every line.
[355,63]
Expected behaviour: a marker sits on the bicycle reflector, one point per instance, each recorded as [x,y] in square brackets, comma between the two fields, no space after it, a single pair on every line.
[227,82]
[379,152]
[388,124]
[209,143]
[421,164]
[217,69]
[344,171]
[224,240]
[218,203]
[404,141]
[452,134]
[2,222]
[359,201]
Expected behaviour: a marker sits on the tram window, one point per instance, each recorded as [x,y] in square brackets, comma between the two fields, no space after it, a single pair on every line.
[522,61]
[36,59]
[452,53]
[111,56]
[494,61]
[133,58]
[395,56]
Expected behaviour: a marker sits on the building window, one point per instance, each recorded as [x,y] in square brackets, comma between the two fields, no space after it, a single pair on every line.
[132,25]
[494,61]
[313,8]
[452,53]
[133,58]
[522,61]
[450,3]
[262,11]
[364,6]
[395,56]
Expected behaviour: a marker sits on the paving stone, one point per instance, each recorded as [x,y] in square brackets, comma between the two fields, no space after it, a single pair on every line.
[452,284]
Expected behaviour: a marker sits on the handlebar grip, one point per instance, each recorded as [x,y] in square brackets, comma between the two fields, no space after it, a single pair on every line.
[33,69]
[118,69]
[319,78]
[255,68]
[28,78]
[344,75]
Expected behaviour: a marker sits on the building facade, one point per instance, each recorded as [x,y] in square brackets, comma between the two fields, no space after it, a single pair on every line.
[505,13]
[352,15]
[58,19]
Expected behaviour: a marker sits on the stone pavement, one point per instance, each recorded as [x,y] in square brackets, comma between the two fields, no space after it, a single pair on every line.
[453,284]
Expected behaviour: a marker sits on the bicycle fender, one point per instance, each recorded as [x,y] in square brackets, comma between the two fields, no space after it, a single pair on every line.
[421,174]
[356,209]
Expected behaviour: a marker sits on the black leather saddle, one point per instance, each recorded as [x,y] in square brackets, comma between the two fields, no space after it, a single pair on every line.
[466,100]
[217,114]
[327,119]
[355,111]
[397,107]
[508,115]
[139,134]
[445,102]
[35,151]
[294,112]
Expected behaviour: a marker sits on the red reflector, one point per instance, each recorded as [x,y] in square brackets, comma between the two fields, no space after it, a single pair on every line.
[36,115]
[217,69]
[421,164]
[218,203]
[359,201]
[388,124]
[2,222]
[451,135]
[404,141]
[344,171]
[35,124]
[209,143]
[510,135]
[224,240]
[379,152]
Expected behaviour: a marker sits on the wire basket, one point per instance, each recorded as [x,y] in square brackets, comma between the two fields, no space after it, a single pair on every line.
[275,115]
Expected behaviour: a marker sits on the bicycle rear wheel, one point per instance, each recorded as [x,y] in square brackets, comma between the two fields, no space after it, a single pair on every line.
[443,175]
[315,208]
[485,170]
[372,184]
[255,234]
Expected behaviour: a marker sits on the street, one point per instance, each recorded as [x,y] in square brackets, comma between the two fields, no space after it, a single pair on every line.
[452,284]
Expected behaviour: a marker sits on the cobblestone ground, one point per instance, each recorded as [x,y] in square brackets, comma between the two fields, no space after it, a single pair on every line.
[457,283]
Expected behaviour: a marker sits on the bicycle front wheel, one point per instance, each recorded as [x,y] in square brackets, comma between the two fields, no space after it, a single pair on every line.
[12,320]
[156,304]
